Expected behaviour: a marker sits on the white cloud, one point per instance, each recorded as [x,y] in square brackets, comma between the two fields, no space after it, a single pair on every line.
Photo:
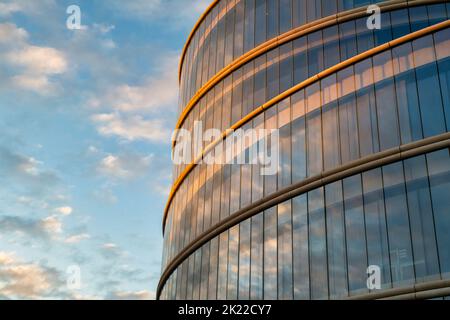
[77,238]
[21,280]
[103,28]
[27,7]
[124,166]
[52,225]
[10,34]
[156,93]
[109,246]
[39,60]
[9,8]
[131,128]
[159,9]
[46,228]
[34,66]
[6,258]
[65,211]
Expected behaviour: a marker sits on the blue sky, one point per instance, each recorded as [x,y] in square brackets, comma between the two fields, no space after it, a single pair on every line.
[85,123]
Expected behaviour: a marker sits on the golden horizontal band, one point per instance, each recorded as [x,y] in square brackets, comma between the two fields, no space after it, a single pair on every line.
[289,36]
[355,167]
[302,85]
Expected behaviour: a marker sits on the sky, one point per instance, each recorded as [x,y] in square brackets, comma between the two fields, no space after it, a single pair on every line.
[86,117]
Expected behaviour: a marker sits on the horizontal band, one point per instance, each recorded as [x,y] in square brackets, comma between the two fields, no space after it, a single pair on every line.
[289,36]
[293,90]
[355,167]
[418,291]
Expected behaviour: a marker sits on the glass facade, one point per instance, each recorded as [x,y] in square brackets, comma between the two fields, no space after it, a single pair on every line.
[318,244]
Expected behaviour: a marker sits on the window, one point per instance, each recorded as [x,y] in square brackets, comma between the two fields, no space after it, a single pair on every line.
[317,245]
[336,246]
[233,263]
[298,137]
[257,254]
[244,260]
[300,247]
[398,224]
[330,120]
[270,254]
[439,173]
[428,87]
[375,224]
[314,129]
[426,261]
[285,290]
[355,234]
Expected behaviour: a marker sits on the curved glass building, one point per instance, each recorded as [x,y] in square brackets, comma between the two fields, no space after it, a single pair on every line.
[360,205]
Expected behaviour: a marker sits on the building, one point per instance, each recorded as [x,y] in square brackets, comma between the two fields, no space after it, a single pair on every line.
[360,206]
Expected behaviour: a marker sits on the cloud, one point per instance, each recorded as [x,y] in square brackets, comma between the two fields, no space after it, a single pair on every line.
[124,166]
[157,91]
[39,60]
[20,280]
[9,8]
[65,211]
[26,7]
[27,173]
[31,67]
[111,251]
[35,228]
[159,9]
[128,295]
[139,112]
[10,34]
[77,238]
[132,128]
[52,225]
[103,28]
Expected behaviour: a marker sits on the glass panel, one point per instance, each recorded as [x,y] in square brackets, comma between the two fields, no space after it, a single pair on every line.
[376,229]
[330,120]
[315,53]
[285,290]
[222,267]
[406,89]
[233,263]
[272,18]
[260,22]
[439,172]
[213,264]
[205,272]
[385,97]
[314,129]
[299,12]
[348,116]
[298,137]
[428,87]
[249,35]
[442,43]
[285,15]
[317,245]
[426,261]
[356,238]
[367,111]
[257,254]
[244,261]
[337,264]
[300,247]
[398,225]
[270,254]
